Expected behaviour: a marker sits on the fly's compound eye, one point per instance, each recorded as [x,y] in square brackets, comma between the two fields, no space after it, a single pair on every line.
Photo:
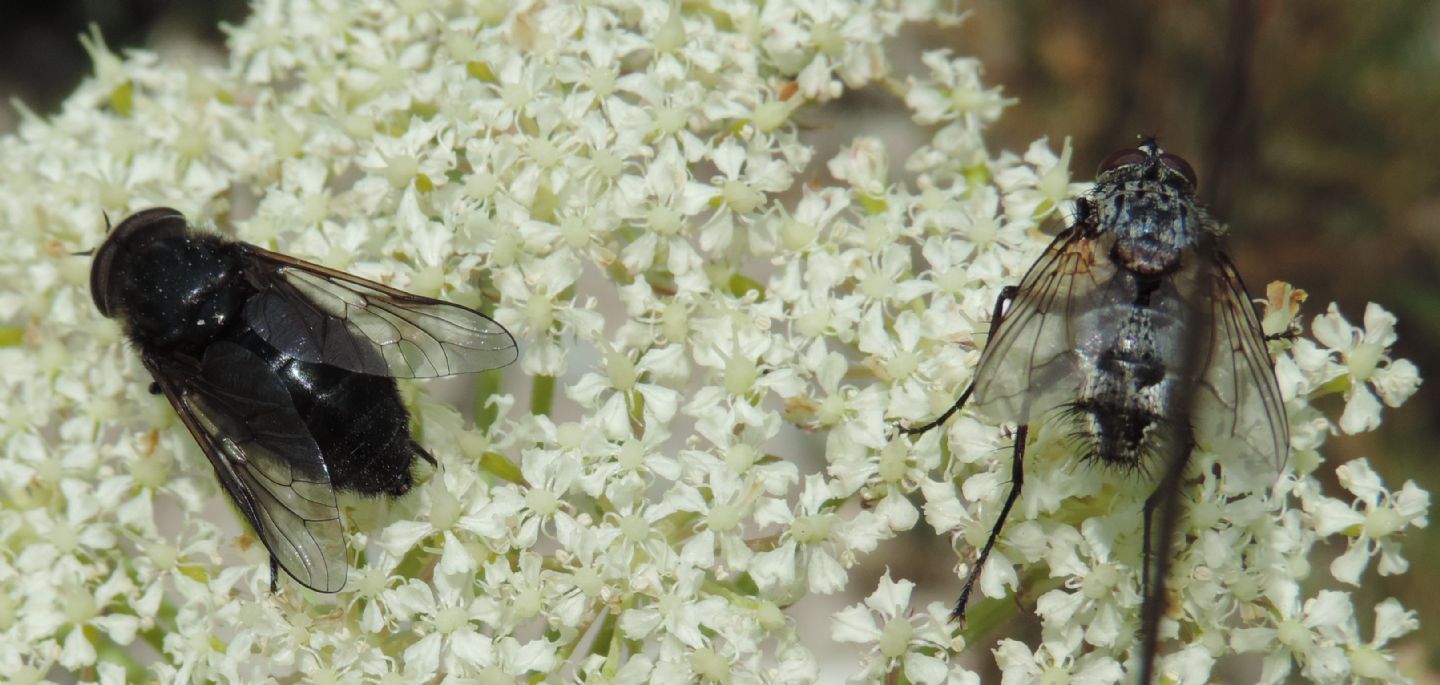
[1124,157]
[1179,165]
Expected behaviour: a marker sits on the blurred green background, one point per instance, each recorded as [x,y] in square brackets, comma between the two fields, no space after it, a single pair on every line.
[1315,127]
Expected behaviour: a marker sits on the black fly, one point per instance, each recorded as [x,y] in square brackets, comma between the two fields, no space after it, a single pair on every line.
[1134,331]
[283,371]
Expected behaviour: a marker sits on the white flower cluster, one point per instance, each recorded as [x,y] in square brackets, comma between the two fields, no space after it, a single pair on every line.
[625,183]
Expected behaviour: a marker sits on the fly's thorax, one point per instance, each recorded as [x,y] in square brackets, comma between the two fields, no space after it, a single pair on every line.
[181,292]
[1153,221]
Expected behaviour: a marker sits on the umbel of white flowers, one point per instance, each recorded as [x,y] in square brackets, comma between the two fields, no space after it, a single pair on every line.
[720,314]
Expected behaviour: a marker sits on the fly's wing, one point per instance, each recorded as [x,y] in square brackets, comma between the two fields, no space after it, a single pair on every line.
[323,316]
[1237,398]
[1029,365]
[264,455]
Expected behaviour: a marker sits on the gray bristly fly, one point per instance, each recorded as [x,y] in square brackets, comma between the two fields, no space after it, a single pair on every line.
[1135,332]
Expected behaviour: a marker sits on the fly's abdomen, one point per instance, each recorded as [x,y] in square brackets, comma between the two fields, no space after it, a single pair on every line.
[362,429]
[357,420]
[1119,411]
[1118,414]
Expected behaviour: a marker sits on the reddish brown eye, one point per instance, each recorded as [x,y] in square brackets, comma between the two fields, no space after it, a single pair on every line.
[1178,164]
[1121,158]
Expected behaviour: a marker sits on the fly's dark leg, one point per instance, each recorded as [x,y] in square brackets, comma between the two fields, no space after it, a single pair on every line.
[1017,467]
[1007,294]
[274,575]
[1289,335]
[917,430]
[1017,479]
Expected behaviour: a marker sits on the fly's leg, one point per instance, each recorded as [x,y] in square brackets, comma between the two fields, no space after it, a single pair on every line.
[1288,335]
[1017,479]
[1017,467]
[274,575]
[1007,295]
[917,430]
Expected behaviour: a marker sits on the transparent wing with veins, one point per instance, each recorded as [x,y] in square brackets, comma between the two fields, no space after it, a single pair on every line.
[320,315]
[264,456]
[1029,365]
[1237,402]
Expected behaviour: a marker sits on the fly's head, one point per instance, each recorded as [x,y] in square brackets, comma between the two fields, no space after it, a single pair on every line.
[1144,200]
[114,258]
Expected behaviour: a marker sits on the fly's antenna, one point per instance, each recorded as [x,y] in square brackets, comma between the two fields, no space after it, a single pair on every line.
[108,228]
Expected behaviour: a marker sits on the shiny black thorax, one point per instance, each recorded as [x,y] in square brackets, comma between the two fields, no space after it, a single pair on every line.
[177,292]
[1147,221]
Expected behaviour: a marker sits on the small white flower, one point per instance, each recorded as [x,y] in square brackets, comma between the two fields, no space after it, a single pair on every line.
[678,610]
[1371,372]
[1058,659]
[863,166]
[625,383]
[1374,522]
[453,640]
[818,543]
[1369,659]
[1038,186]
[954,91]
[1101,591]
[1297,634]
[902,645]
[79,611]
[547,311]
